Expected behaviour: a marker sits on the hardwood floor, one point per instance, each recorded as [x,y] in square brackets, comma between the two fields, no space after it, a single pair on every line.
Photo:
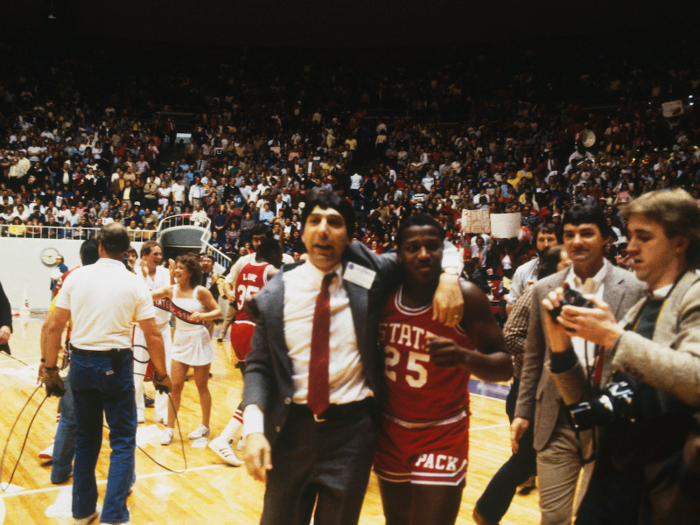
[209,492]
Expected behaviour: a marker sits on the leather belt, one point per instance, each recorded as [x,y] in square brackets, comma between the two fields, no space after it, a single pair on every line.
[115,354]
[112,352]
[336,412]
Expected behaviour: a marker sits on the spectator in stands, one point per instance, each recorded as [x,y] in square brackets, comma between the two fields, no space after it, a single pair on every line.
[266,215]
[198,217]
[215,241]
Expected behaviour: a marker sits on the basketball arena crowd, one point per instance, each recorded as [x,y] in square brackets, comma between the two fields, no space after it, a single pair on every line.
[82,146]
[89,139]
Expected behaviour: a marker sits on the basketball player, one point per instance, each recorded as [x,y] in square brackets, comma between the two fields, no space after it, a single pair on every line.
[421,457]
[252,277]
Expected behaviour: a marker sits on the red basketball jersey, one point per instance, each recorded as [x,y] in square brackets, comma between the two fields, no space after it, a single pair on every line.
[250,280]
[417,390]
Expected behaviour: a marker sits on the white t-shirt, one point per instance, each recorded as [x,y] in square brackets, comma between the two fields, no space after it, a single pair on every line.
[355,181]
[164,193]
[199,217]
[104,299]
[428,182]
[178,192]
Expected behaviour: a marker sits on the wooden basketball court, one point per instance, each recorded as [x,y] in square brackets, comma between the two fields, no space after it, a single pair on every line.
[208,492]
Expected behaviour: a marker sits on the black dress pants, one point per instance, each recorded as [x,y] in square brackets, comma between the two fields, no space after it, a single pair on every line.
[325,464]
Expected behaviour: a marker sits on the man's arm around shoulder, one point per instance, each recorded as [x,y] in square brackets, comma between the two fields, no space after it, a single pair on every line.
[491,361]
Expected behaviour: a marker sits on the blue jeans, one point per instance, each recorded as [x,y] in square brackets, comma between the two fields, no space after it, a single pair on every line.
[64,442]
[97,389]
[494,502]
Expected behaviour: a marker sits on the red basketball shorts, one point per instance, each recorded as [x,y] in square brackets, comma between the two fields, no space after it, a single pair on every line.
[432,454]
[241,336]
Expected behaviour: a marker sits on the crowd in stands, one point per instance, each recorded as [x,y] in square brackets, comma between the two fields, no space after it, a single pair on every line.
[83,144]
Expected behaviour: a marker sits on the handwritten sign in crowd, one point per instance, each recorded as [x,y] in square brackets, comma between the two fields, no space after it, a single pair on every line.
[498,225]
[476,221]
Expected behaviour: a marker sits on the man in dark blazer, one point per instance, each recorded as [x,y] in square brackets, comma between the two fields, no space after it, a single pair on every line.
[585,234]
[311,437]
[5,322]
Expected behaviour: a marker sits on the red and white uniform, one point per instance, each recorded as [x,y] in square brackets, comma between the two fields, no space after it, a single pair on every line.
[250,280]
[162,317]
[424,434]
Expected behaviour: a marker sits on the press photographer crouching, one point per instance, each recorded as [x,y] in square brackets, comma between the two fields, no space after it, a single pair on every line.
[644,391]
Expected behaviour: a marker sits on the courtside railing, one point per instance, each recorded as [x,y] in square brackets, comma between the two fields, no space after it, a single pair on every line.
[186,220]
[201,223]
[25,231]
[219,256]
[78,233]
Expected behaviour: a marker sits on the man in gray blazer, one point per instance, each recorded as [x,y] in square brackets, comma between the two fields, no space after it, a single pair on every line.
[585,234]
[314,371]
[656,349]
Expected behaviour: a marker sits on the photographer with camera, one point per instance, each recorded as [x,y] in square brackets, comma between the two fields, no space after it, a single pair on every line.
[559,463]
[644,391]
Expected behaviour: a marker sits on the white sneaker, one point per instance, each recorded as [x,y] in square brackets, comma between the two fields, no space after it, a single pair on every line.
[140,417]
[200,432]
[224,451]
[167,436]
[91,517]
[47,453]
[241,444]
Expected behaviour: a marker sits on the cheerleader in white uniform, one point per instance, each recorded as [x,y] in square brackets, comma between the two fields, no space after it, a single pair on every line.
[192,305]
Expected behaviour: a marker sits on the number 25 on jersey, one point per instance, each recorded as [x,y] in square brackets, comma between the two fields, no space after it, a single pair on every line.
[416,374]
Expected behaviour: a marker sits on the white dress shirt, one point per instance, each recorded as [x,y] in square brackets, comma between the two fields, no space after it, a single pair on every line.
[524,273]
[593,286]
[346,375]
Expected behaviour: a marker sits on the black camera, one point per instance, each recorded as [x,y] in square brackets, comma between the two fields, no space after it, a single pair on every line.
[613,404]
[572,298]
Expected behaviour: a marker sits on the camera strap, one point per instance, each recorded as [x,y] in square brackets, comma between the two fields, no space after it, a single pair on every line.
[599,365]
[579,449]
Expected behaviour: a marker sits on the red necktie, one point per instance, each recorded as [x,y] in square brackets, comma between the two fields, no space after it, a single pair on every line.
[600,362]
[318,398]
